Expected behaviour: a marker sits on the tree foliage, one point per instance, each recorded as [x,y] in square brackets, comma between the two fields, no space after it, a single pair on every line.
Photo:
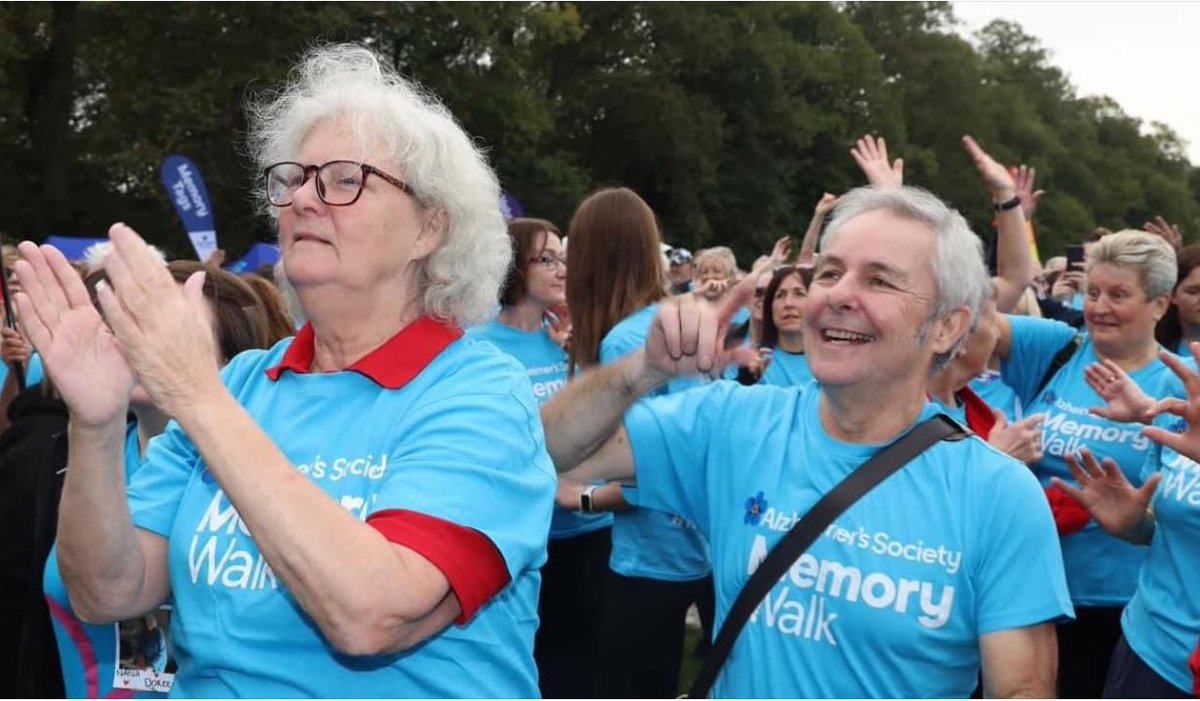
[731,119]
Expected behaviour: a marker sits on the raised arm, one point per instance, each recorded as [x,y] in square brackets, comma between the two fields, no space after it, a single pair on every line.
[111,569]
[1014,262]
[808,247]
[584,435]
[871,155]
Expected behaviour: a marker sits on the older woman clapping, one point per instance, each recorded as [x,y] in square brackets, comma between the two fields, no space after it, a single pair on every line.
[361,510]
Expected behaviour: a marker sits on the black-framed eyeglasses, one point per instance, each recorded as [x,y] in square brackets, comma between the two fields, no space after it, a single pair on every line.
[339,183]
[548,261]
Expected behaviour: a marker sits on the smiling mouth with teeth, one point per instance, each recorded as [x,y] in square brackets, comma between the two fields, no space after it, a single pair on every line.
[838,336]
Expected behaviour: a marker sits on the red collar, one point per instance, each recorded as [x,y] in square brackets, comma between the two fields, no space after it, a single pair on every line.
[391,365]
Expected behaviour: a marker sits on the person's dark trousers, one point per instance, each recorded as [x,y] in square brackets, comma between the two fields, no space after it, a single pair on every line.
[1085,646]
[643,636]
[1129,677]
[706,606]
[567,645]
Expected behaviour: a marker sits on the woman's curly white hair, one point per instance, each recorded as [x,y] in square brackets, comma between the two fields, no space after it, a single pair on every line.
[416,135]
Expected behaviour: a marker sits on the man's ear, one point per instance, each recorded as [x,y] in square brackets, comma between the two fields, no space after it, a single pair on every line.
[950,329]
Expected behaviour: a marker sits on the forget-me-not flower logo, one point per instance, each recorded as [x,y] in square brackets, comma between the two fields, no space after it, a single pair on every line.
[756,506]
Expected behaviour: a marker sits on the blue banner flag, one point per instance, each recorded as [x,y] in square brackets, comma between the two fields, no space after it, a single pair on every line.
[185,187]
[510,206]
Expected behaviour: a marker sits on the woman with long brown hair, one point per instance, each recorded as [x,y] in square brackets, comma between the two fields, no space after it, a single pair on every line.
[659,561]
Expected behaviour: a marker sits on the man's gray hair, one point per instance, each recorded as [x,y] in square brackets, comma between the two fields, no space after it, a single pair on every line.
[1149,255]
[403,129]
[959,274]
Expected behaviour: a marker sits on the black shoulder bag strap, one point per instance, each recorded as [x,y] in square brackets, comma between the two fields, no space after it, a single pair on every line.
[886,462]
[1058,361]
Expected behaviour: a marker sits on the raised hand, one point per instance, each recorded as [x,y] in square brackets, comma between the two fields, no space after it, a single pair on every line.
[1116,504]
[826,204]
[997,178]
[870,153]
[1188,442]
[79,352]
[1170,232]
[1025,177]
[687,336]
[1124,400]
[163,329]
[1068,284]
[1022,440]
[781,251]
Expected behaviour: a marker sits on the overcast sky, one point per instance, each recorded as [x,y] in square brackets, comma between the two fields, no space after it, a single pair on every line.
[1143,54]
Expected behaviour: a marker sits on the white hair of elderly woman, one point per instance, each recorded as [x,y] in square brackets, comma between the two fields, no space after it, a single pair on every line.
[414,134]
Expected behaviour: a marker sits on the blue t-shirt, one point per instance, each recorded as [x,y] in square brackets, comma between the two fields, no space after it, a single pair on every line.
[787,370]
[33,371]
[89,653]
[462,441]
[547,366]
[1101,569]
[891,601]
[1162,621]
[652,543]
[998,395]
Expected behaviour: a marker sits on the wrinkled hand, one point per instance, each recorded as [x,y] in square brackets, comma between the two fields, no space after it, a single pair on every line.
[1105,492]
[79,352]
[1170,232]
[825,205]
[1025,177]
[997,178]
[687,336]
[781,251]
[1124,400]
[13,346]
[1188,442]
[163,329]
[870,153]
[1022,440]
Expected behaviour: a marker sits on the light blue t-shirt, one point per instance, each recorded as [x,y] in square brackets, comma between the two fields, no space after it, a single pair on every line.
[787,370]
[652,543]
[891,601]
[1162,621]
[33,371]
[1101,569]
[462,441]
[547,366]
[998,395]
[89,653]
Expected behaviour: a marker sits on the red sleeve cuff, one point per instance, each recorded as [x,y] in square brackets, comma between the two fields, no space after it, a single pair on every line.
[1194,665]
[469,560]
[1069,515]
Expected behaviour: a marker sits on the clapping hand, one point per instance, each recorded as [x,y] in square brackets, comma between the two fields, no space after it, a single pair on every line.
[1188,442]
[1022,440]
[79,352]
[1117,505]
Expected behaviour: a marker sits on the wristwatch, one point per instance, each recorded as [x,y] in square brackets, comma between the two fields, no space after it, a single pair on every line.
[586,504]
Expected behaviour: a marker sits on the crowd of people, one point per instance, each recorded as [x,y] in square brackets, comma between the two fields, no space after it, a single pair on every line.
[441,454]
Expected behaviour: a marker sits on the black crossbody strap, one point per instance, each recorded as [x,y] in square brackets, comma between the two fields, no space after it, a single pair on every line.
[881,466]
